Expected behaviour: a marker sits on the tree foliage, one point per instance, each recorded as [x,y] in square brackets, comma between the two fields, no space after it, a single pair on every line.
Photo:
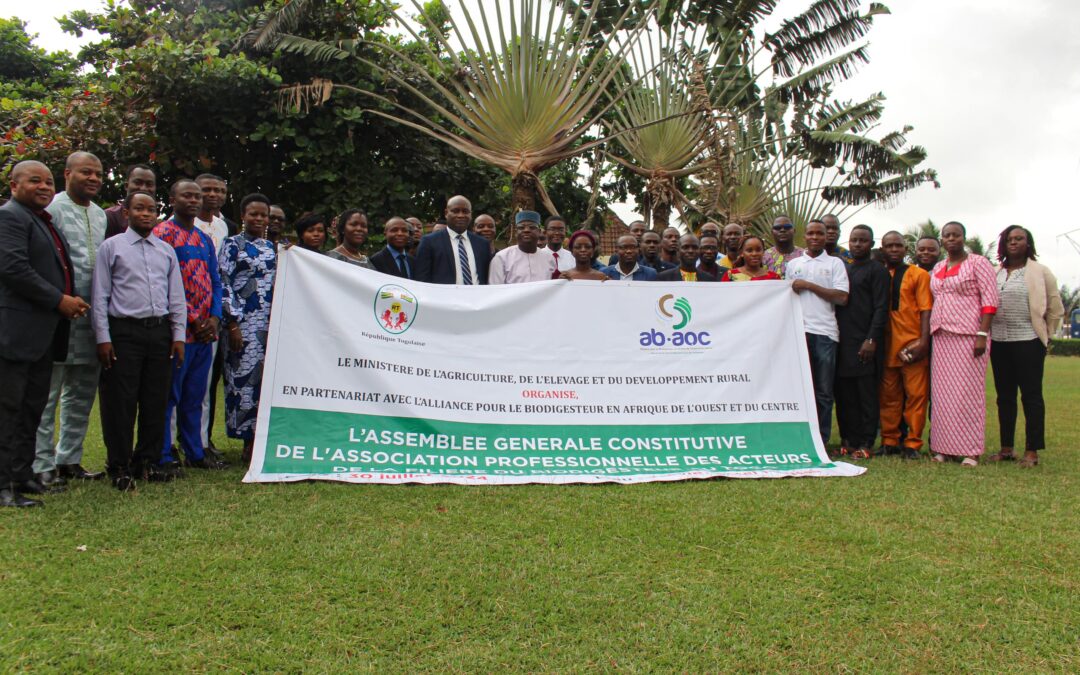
[172,83]
[734,122]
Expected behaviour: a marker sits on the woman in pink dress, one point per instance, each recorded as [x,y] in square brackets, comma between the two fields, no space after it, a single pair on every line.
[965,301]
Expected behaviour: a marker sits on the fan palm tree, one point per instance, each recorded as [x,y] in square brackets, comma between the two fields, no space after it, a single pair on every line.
[518,85]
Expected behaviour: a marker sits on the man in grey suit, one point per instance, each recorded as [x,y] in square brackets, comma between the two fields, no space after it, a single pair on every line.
[36,303]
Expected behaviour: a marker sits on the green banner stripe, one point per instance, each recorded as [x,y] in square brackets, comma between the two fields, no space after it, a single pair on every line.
[321,442]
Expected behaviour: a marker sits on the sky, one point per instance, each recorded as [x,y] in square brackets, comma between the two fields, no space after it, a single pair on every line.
[991,88]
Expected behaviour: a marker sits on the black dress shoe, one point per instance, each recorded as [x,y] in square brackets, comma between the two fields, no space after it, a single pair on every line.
[33,487]
[171,468]
[9,497]
[207,463]
[50,478]
[213,453]
[124,483]
[77,472]
[155,474]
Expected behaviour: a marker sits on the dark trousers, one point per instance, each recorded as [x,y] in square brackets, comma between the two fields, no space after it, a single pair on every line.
[822,350]
[1019,365]
[215,379]
[24,391]
[136,386]
[857,410]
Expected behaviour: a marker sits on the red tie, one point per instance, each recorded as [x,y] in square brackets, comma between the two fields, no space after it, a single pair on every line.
[556,273]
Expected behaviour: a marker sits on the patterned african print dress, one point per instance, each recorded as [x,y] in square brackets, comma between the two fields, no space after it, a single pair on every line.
[962,295]
[247,278]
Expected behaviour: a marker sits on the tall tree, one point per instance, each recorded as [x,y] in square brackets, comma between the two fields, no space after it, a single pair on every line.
[518,88]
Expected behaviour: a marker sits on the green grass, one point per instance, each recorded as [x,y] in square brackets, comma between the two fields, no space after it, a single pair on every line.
[912,567]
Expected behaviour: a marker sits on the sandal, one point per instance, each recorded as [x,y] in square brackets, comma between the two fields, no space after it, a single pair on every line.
[861,453]
[969,461]
[1031,458]
[1002,456]
[938,457]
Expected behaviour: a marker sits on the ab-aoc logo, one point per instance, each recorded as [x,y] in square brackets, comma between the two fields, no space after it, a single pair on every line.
[678,313]
[395,308]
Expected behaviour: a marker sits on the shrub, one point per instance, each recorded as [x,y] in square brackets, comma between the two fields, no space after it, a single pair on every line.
[1061,347]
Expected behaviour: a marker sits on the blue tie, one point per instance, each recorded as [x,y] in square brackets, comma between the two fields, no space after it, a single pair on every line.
[463,257]
[401,265]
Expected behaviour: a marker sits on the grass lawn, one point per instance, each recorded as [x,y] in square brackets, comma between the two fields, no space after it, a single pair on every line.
[912,567]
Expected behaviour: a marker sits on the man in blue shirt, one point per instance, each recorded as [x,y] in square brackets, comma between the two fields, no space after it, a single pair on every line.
[140,321]
[629,266]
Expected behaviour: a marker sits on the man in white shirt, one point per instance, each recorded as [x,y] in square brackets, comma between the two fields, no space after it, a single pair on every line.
[209,219]
[524,262]
[555,229]
[821,281]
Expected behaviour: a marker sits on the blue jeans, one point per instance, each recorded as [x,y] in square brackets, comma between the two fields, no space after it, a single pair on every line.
[822,351]
[186,401]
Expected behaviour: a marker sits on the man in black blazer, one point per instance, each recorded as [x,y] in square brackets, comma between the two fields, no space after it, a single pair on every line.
[689,248]
[36,302]
[394,258]
[454,255]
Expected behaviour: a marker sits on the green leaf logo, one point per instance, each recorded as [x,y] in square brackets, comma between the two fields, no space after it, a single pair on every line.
[682,306]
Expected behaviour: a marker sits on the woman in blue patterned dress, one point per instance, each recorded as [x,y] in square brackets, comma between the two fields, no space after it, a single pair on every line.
[247,263]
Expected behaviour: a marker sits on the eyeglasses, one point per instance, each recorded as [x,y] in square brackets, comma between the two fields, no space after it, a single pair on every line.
[783,227]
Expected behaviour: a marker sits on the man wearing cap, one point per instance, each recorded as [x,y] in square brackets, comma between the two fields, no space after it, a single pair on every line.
[453,255]
[522,263]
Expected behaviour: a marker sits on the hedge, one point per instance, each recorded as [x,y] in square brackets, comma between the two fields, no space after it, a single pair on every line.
[1065,347]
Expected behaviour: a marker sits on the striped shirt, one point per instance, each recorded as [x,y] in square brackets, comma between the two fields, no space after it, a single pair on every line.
[1012,323]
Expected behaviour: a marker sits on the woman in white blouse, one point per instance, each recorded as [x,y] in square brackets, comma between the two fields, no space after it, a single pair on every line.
[1029,312]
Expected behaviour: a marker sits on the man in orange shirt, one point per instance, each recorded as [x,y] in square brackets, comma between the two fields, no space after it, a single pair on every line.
[905,383]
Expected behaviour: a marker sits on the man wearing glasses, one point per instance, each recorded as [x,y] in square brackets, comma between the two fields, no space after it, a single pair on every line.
[784,249]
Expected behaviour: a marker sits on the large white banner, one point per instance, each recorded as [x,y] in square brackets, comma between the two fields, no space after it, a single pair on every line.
[374,379]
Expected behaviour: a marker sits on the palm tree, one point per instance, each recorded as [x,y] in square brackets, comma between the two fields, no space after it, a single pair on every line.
[793,149]
[518,88]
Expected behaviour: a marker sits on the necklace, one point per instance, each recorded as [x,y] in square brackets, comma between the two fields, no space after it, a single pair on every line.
[347,253]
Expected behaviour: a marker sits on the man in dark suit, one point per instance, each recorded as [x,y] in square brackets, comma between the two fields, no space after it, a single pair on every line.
[454,255]
[689,249]
[394,258]
[36,303]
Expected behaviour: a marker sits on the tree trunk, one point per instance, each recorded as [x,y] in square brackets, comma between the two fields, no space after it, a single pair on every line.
[661,216]
[522,193]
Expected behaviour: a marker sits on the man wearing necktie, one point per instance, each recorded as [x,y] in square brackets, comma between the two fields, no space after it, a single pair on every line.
[555,229]
[454,255]
[394,258]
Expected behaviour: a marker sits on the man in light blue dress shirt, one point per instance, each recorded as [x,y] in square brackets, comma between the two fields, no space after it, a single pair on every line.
[140,318]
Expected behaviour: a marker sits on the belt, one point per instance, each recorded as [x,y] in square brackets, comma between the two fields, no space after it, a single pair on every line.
[149,322]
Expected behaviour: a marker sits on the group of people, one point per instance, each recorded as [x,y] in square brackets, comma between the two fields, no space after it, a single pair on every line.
[146,315]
